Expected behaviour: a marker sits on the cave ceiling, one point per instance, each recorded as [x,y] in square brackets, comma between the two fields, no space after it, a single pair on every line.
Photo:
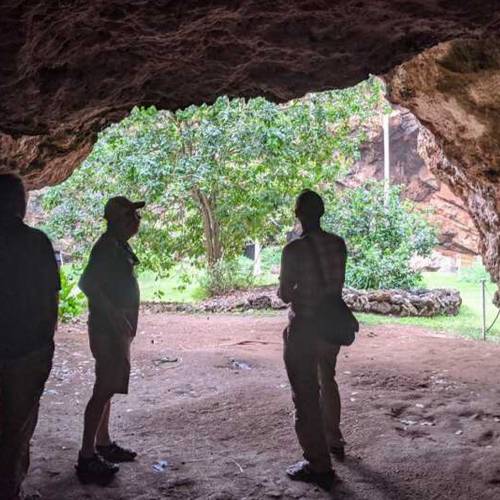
[69,68]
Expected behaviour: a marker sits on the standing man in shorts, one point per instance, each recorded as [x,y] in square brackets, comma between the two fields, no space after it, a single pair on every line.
[112,290]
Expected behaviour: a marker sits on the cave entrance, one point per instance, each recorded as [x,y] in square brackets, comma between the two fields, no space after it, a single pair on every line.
[209,409]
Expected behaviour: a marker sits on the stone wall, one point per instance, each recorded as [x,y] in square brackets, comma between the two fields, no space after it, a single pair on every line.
[422,302]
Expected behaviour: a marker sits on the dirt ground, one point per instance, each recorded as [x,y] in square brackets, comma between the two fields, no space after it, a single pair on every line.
[210,415]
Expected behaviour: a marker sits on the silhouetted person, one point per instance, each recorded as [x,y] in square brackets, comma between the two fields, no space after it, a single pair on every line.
[29,286]
[312,266]
[112,290]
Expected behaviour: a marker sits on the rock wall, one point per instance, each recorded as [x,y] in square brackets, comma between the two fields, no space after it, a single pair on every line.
[457,232]
[420,302]
[423,303]
[453,90]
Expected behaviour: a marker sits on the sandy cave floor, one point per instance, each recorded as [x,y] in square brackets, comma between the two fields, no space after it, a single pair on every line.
[421,415]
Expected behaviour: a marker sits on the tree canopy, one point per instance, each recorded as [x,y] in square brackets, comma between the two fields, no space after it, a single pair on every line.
[214,176]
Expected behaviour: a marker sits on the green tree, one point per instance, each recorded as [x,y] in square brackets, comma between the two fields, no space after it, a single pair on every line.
[214,176]
[381,236]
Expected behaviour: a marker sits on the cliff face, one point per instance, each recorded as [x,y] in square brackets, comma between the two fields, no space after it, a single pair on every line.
[69,68]
[457,232]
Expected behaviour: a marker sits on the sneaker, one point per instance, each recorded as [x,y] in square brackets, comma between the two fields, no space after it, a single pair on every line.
[95,469]
[115,453]
[302,471]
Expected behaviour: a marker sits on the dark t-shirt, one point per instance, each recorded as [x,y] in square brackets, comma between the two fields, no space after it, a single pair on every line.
[111,267]
[29,283]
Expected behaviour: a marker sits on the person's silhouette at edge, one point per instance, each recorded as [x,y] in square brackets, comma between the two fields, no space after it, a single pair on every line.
[112,290]
[310,361]
[29,288]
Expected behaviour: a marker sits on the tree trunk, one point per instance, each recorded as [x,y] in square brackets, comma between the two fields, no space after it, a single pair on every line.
[211,229]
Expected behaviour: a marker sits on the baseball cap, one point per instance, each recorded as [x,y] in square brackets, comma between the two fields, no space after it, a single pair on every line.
[118,205]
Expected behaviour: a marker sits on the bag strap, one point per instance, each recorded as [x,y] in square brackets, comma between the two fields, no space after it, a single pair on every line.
[317,260]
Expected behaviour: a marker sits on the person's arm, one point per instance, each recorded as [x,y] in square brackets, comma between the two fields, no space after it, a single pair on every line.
[287,278]
[51,282]
[340,267]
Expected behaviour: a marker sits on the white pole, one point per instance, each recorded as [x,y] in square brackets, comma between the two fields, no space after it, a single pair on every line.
[387,160]
[483,300]
[256,259]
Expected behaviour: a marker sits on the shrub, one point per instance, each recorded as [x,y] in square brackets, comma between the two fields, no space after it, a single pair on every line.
[226,276]
[381,237]
[71,301]
[271,258]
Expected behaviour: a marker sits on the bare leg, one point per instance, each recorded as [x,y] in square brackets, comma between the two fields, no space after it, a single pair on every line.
[93,415]
[102,436]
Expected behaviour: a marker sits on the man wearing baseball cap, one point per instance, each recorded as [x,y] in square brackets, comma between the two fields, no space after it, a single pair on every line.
[112,290]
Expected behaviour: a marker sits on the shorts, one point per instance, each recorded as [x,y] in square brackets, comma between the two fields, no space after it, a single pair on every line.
[112,361]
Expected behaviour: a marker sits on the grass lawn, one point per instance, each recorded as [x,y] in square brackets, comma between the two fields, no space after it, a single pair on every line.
[467,322]
[176,288]
[170,289]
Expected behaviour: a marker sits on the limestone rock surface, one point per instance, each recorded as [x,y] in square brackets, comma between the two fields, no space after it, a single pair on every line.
[453,89]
